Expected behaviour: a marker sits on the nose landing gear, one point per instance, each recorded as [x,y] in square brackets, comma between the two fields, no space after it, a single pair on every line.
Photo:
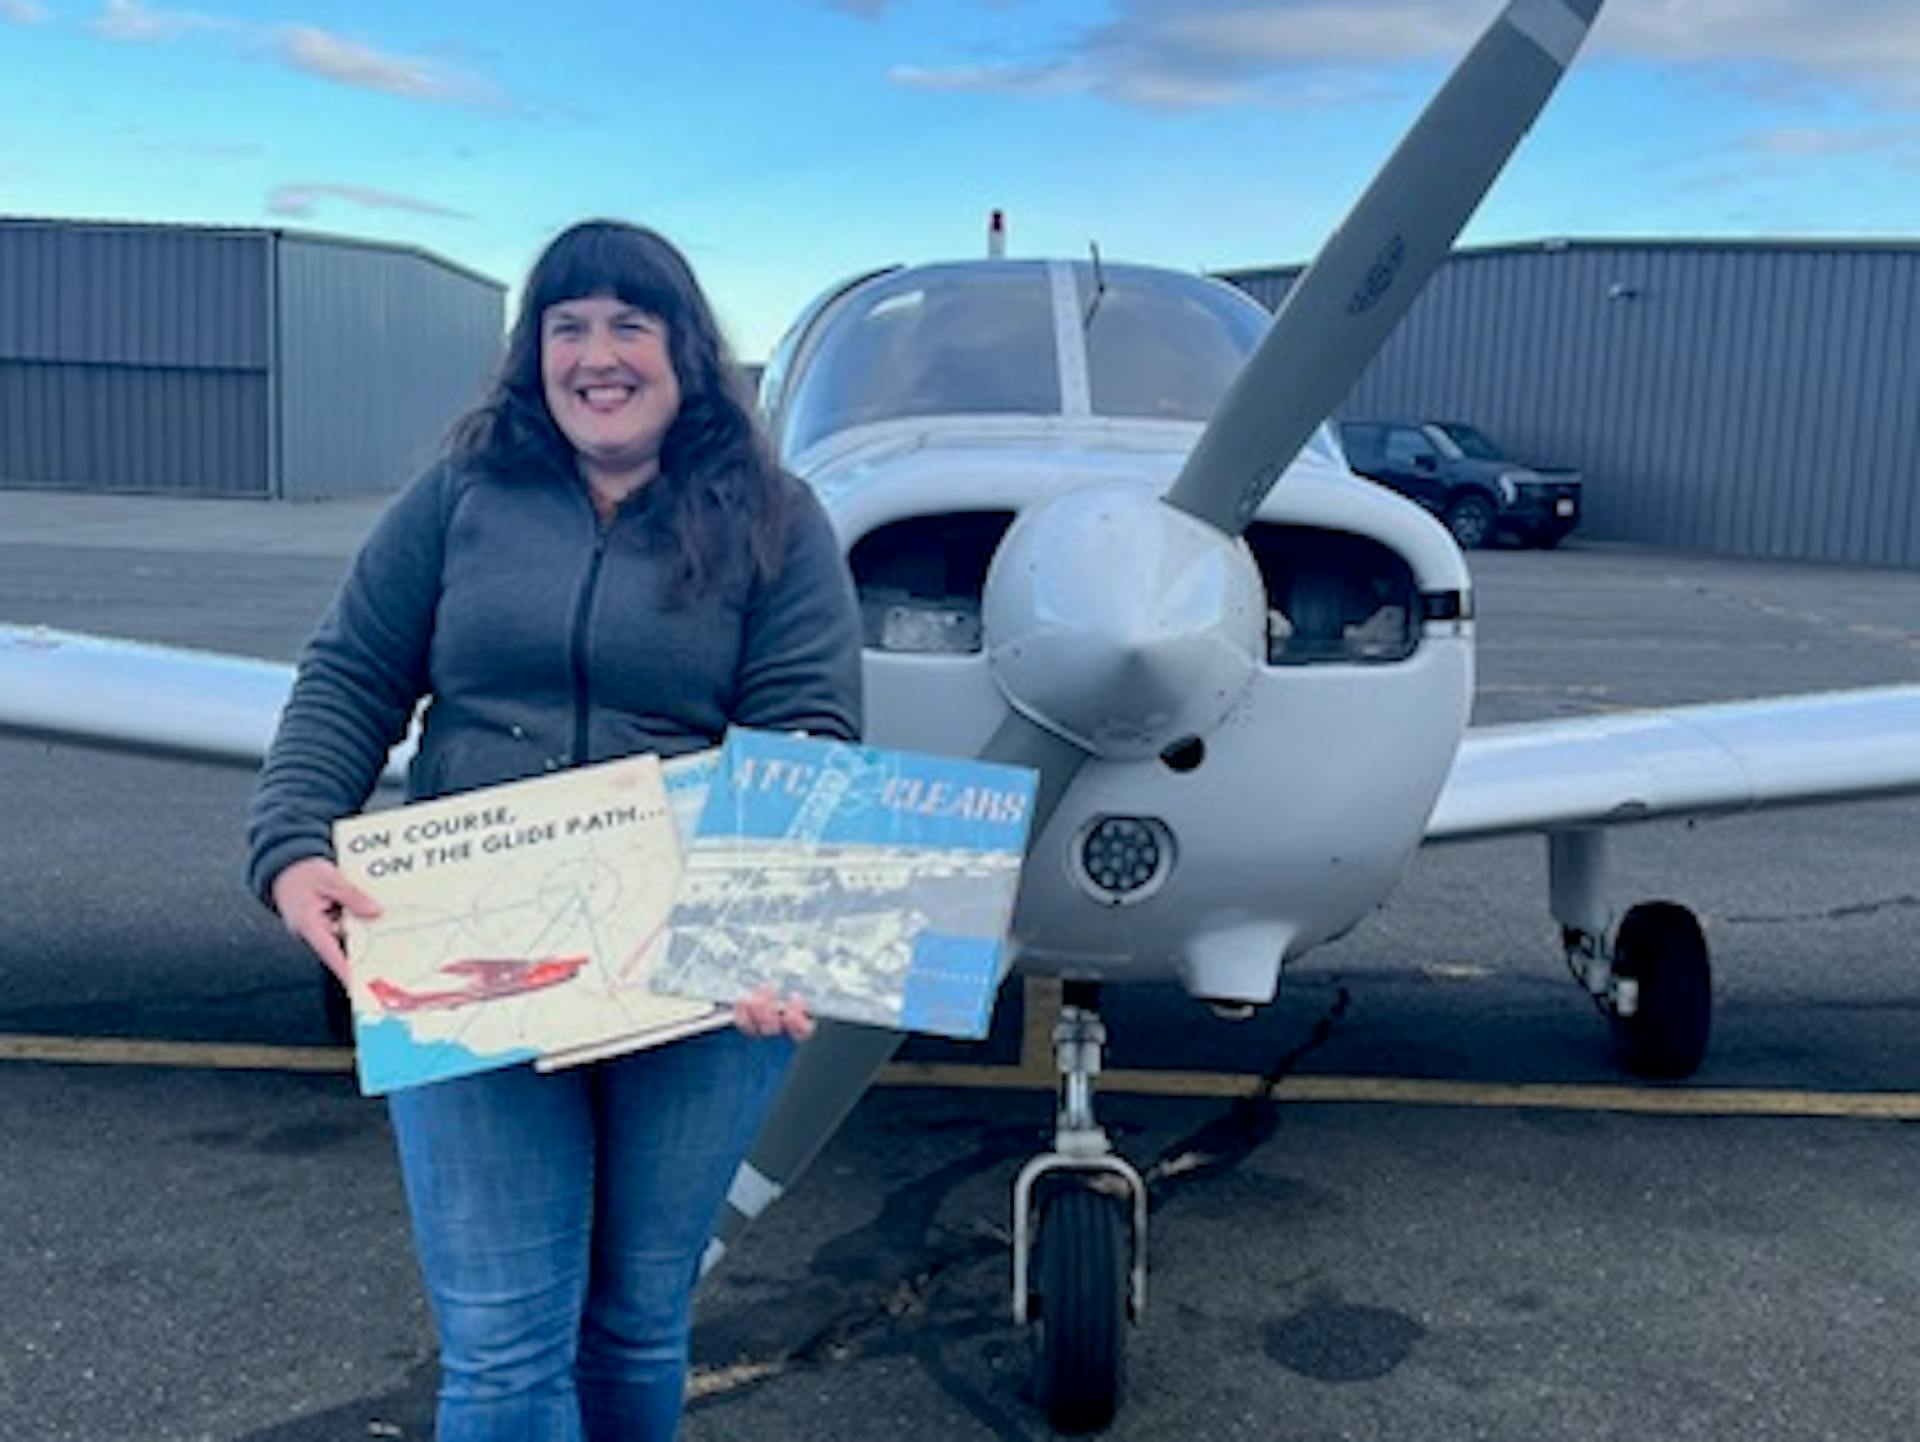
[1079,1240]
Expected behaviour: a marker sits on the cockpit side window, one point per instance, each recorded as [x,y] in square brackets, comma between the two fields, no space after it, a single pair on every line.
[941,340]
[773,376]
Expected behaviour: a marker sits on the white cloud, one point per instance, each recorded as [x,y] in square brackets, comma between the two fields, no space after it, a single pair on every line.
[23,12]
[1871,46]
[306,48]
[1049,79]
[304,200]
[1178,54]
[346,62]
[134,22]
[1213,52]
[1823,142]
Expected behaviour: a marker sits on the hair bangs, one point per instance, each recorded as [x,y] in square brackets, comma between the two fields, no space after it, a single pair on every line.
[608,258]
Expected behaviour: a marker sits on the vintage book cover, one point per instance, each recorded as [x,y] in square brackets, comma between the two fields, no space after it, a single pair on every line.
[687,778]
[877,885]
[521,921]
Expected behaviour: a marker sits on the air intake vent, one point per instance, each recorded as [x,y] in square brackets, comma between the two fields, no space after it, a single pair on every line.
[920,581]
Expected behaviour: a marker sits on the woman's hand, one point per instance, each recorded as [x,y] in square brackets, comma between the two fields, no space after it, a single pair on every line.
[311,896]
[763,1014]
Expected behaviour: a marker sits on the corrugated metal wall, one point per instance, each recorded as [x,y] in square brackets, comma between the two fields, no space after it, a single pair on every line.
[1747,399]
[133,359]
[230,362]
[379,351]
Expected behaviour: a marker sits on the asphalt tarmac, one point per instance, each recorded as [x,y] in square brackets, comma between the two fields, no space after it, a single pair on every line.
[1456,1219]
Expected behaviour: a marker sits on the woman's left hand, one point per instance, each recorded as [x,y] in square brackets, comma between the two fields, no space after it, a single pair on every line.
[764,1014]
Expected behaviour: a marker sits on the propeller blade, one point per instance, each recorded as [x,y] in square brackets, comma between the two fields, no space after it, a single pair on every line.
[1341,311]
[830,1073]
[834,1069]
[1021,742]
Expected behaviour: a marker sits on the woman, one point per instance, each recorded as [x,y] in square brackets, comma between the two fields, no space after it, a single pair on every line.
[606,562]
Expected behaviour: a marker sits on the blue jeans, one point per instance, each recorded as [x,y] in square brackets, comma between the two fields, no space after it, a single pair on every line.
[559,1221]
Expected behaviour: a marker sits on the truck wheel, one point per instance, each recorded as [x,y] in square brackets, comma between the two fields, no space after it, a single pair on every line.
[1470,518]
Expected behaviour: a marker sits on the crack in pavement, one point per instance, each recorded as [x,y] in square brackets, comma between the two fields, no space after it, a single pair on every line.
[1853,911]
[1250,1121]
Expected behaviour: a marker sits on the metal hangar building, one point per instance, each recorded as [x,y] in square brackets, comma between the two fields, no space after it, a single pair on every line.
[208,361]
[1749,398]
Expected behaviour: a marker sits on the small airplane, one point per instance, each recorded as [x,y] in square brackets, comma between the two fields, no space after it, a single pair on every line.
[485,980]
[1099,528]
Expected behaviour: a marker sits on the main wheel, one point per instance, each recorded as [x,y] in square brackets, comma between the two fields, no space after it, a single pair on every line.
[1662,949]
[1471,519]
[1079,1304]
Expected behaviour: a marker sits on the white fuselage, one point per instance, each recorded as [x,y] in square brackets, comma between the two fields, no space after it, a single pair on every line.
[1311,793]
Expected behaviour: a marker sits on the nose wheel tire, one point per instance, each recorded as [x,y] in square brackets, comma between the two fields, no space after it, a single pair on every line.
[1471,520]
[1662,950]
[1079,1305]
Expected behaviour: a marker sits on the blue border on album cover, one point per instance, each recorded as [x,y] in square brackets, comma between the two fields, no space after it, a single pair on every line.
[687,779]
[390,1057]
[773,785]
[951,985]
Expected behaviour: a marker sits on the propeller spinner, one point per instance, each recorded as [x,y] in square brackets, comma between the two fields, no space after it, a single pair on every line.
[1121,625]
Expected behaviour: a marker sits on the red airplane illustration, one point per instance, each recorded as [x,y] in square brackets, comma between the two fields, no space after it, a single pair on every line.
[485,980]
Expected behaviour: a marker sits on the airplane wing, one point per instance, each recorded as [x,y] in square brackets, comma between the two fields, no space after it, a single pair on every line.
[1532,776]
[1684,761]
[135,696]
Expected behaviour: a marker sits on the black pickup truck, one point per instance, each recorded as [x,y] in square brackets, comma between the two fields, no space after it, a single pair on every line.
[1466,480]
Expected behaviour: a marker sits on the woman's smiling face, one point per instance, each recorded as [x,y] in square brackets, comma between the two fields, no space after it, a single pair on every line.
[610,385]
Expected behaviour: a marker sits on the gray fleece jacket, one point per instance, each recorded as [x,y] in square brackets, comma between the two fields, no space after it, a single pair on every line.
[541,637]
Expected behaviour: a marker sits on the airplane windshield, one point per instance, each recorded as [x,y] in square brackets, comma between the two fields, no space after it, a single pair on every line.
[1161,345]
[937,340]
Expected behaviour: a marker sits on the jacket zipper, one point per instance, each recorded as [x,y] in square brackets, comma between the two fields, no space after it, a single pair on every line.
[582,689]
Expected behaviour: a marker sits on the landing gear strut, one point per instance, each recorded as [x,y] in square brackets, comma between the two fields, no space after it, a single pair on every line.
[1652,979]
[1079,1240]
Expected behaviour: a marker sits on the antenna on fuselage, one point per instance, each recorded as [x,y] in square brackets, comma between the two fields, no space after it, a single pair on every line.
[996,235]
[1099,286]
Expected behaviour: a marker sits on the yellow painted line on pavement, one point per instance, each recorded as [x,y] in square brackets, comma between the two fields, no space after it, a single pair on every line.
[199,1055]
[1402,1091]
[1419,1091]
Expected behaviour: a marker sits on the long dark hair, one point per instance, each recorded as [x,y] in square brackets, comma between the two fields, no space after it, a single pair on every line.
[717,478]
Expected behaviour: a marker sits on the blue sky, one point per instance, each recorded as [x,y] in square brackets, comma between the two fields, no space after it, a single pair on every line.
[788,143]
